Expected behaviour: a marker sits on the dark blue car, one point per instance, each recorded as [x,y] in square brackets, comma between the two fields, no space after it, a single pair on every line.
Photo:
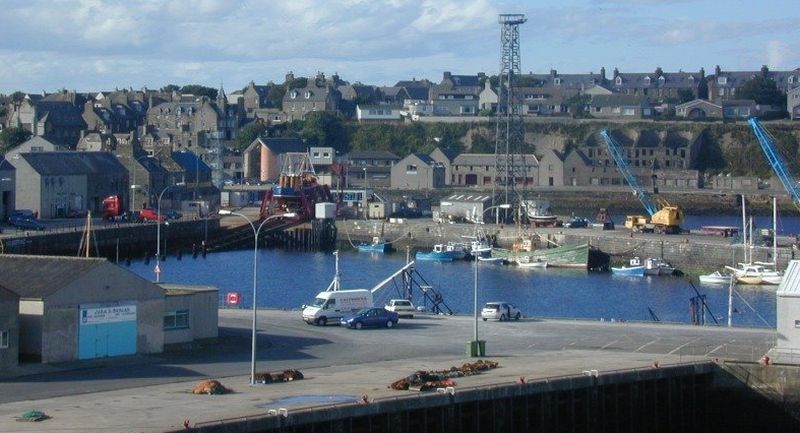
[376,317]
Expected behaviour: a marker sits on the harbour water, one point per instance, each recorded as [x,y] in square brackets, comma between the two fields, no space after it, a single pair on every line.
[286,280]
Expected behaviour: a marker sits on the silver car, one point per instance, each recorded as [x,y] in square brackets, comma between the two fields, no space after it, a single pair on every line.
[403,307]
[501,311]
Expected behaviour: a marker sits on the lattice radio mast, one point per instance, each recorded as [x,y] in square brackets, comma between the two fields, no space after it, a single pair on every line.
[511,169]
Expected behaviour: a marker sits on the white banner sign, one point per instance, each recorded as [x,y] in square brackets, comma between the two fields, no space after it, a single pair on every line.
[121,313]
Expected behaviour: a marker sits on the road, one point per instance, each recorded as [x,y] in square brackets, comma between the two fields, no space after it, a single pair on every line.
[285,341]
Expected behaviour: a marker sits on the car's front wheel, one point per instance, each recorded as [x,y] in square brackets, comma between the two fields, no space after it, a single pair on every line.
[358,325]
[389,324]
[518,316]
[502,317]
[322,321]
[485,319]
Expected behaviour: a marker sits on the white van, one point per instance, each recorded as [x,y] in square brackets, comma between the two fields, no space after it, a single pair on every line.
[329,307]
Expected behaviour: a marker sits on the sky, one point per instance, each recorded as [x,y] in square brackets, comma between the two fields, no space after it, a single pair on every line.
[93,45]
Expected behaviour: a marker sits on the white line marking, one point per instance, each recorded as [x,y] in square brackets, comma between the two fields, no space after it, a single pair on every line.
[645,345]
[609,344]
[682,346]
[715,349]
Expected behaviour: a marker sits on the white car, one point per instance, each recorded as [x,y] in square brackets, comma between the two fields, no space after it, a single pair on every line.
[500,311]
[403,307]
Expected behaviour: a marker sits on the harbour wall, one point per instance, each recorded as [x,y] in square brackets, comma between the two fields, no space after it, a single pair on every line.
[680,398]
[691,253]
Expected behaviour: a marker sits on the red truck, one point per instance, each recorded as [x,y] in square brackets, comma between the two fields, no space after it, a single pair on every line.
[113,209]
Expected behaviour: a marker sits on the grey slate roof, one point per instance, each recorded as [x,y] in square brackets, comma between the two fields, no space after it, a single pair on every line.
[475,159]
[425,158]
[73,163]
[8,295]
[60,113]
[36,277]
[371,154]
[449,153]
[283,145]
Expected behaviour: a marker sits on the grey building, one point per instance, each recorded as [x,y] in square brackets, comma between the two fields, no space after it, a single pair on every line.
[463,206]
[457,95]
[479,169]
[417,171]
[559,169]
[319,94]
[699,109]
[724,85]
[620,106]
[793,103]
[445,157]
[57,121]
[8,176]
[34,145]
[190,313]
[372,168]
[9,329]
[74,308]
[788,314]
[56,183]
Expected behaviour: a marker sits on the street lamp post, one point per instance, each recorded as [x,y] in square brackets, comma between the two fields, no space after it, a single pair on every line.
[365,193]
[256,231]
[475,348]
[158,231]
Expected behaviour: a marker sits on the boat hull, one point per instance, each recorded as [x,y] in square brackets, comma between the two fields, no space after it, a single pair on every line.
[633,271]
[566,256]
[434,256]
[373,248]
[715,278]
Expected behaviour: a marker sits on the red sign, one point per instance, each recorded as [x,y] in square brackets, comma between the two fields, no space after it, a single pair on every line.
[232,298]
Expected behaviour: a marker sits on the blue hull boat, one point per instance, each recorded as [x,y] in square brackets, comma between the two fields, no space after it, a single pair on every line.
[443,253]
[373,248]
[636,269]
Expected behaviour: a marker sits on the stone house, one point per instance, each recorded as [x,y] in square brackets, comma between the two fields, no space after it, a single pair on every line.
[559,169]
[620,106]
[57,121]
[457,95]
[793,103]
[445,157]
[417,171]
[699,109]
[54,184]
[34,145]
[319,94]
[393,95]
[370,168]
[725,85]
[479,169]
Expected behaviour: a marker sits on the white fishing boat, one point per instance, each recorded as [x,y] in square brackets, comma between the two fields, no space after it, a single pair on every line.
[539,214]
[716,278]
[541,264]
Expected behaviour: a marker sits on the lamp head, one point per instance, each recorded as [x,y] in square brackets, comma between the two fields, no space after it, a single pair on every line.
[504,206]
[224,212]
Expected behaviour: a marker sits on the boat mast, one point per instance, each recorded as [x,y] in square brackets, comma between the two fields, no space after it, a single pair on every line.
[744,230]
[750,240]
[775,232]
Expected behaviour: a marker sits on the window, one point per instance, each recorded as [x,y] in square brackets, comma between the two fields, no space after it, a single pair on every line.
[293,94]
[176,320]
[618,81]
[722,80]
[308,94]
[797,323]
[628,112]
[557,81]
[4,339]
[411,169]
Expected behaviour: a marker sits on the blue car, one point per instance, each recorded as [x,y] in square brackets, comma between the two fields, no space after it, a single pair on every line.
[375,317]
[27,224]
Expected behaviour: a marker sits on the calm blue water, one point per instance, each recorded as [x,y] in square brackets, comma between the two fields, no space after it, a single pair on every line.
[287,280]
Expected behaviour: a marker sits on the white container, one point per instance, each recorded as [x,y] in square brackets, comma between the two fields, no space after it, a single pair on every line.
[325,211]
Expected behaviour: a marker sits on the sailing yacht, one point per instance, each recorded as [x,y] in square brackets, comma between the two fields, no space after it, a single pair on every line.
[759,272]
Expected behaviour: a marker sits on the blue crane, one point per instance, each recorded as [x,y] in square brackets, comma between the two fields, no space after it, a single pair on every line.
[615,150]
[767,142]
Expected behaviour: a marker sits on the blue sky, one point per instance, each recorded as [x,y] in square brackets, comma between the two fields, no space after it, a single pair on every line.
[89,45]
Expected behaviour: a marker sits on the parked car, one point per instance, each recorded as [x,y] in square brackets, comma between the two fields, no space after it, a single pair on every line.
[376,317]
[172,214]
[22,214]
[501,311]
[577,222]
[149,214]
[403,307]
[27,224]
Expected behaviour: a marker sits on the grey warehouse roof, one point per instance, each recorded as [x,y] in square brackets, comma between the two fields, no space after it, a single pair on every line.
[36,277]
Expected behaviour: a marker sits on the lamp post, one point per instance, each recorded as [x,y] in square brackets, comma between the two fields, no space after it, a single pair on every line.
[365,193]
[475,344]
[158,231]
[256,231]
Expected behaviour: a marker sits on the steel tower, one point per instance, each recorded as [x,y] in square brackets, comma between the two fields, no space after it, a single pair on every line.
[511,169]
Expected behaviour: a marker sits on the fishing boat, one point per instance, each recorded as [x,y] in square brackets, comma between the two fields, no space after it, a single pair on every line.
[716,277]
[443,253]
[539,214]
[378,245]
[636,269]
[656,266]
[564,256]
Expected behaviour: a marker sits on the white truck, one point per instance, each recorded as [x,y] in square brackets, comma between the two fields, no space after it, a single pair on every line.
[330,306]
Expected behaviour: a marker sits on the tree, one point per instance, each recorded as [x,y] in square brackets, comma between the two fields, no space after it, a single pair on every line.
[12,137]
[247,133]
[577,105]
[199,90]
[762,90]
[482,144]
[297,83]
[169,88]
[275,95]
[324,128]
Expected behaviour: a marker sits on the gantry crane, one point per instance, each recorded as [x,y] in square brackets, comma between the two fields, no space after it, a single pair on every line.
[767,143]
[661,217]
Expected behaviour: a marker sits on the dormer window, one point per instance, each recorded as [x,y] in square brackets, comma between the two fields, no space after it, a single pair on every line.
[618,81]
[647,81]
[308,94]
[293,94]
[791,79]
[722,80]
[557,81]
[661,79]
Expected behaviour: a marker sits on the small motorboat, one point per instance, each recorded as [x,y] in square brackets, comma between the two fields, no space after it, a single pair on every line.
[443,253]
[377,245]
[716,278]
[540,264]
[657,267]
[636,269]
[756,274]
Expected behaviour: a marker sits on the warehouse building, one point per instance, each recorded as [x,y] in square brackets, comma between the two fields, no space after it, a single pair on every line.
[9,329]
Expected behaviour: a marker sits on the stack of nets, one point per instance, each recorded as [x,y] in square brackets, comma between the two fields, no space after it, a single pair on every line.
[428,380]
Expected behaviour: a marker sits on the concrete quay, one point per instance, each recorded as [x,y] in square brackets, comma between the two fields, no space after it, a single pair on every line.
[690,252]
[152,394]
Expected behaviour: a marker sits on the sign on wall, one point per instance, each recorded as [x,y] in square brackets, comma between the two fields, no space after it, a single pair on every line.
[120,313]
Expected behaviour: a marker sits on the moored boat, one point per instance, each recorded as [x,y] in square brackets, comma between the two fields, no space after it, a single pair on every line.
[534,264]
[716,277]
[636,269]
[756,274]
[539,214]
[565,256]
[443,253]
[377,245]
[656,266]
